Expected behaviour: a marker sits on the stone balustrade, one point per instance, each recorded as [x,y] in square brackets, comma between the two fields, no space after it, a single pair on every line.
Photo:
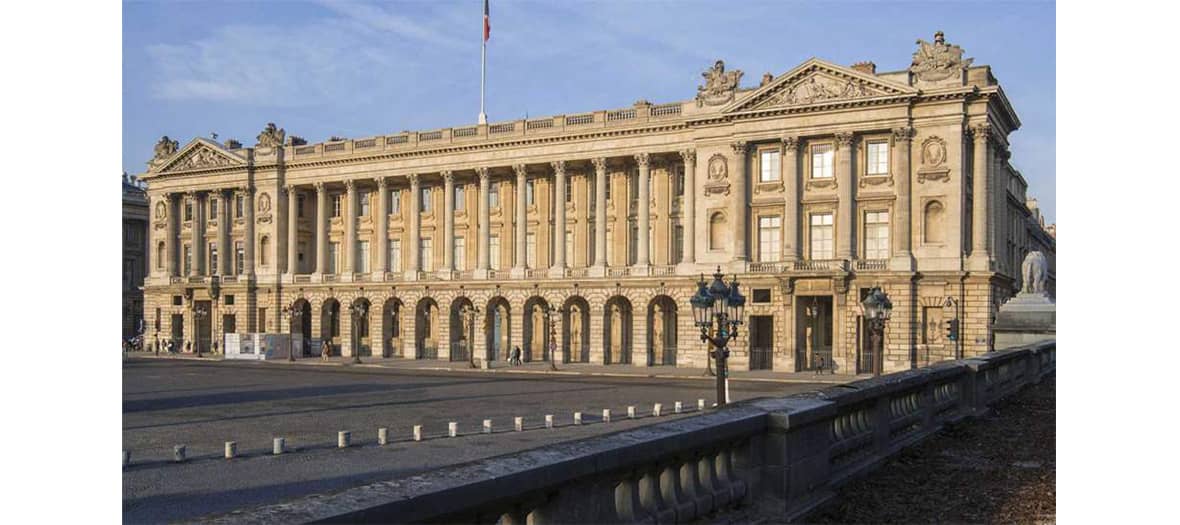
[779,457]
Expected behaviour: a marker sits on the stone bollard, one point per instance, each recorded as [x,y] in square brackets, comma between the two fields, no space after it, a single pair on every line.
[452,429]
[343,439]
[548,421]
[518,422]
[700,404]
[487,426]
[383,436]
[231,449]
[678,407]
[657,409]
[606,415]
[631,412]
[178,453]
[126,458]
[417,432]
[577,418]
[279,444]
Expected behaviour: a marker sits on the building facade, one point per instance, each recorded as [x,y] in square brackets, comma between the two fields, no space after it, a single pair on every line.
[135,254]
[813,187]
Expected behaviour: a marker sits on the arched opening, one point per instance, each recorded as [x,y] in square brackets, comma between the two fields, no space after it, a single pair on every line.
[264,251]
[575,328]
[616,335]
[536,330]
[497,321]
[301,328]
[932,231]
[426,327]
[462,329]
[391,328]
[717,231]
[661,331]
[330,326]
[160,255]
[360,311]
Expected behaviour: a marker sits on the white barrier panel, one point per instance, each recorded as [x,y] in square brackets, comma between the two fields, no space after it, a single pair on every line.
[257,347]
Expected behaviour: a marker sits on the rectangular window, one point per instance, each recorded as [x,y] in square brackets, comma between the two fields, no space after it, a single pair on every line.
[608,185]
[877,235]
[213,258]
[769,166]
[569,191]
[395,255]
[213,208]
[590,236]
[633,244]
[362,257]
[425,200]
[240,258]
[494,196]
[677,244]
[299,205]
[460,249]
[878,158]
[530,193]
[239,206]
[633,189]
[610,246]
[821,161]
[822,247]
[336,204]
[679,181]
[426,254]
[188,209]
[229,300]
[494,252]
[569,248]
[364,199]
[177,300]
[188,259]
[460,202]
[395,202]
[530,250]
[333,257]
[769,238]
[761,295]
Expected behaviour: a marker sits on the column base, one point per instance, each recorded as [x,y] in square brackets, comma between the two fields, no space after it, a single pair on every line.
[557,272]
[902,263]
[518,272]
[597,271]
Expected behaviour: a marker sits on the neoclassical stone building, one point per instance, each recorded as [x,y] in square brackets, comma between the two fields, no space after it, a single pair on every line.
[812,187]
[135,234]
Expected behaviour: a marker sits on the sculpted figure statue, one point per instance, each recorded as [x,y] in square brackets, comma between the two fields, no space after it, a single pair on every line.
[272,136]
[165,148]
[719,85]
[1035,270]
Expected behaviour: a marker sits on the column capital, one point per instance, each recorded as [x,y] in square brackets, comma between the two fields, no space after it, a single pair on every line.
[844,139]
[558,166]
[903,134]
[791,143]
[981,131]
[688,155]
[288,189]
[521,170]
[599,164]
[414,179]
[483,173]
[382,183]
[642,159]
[739,147]
[448,176]
[319,187]
[350,185]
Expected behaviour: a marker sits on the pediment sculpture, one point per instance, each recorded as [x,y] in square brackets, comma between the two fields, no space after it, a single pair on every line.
[201,158]
[271,137]
[165,148]
[938,61]
[720,85]
[816,88]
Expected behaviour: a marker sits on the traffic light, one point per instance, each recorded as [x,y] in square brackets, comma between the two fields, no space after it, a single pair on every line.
[952,329]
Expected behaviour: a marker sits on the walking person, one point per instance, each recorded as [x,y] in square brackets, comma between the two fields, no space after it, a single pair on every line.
[325,350]
[515,359]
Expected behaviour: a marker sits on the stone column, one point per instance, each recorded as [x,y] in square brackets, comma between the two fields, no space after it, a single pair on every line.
[599,268]
[198,237]
[448,223]
[980,259]
[223,235]
[348,249]
[519,266]
[559,262]
[415,227]
[482,258]
[791,242]
[643,257]
[738,205]
[845,221]
[172,236]
[321,230]
[250,240]
[903,259]
[381,225]
[688,212]
[292,230]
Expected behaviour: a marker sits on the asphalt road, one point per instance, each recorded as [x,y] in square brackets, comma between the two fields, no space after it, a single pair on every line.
[204,404]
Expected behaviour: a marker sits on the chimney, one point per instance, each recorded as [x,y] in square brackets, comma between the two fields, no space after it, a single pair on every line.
[865,67]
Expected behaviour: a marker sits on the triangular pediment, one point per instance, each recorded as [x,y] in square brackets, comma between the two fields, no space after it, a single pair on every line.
[201,154]
[818,82]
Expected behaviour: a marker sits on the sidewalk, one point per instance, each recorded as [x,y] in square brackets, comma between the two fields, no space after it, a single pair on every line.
[541,368]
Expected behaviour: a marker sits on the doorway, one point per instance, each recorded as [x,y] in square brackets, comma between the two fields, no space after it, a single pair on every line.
[761,342]
[814,328]
[204,326]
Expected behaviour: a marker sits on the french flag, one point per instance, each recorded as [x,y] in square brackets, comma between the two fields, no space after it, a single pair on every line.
[487,22]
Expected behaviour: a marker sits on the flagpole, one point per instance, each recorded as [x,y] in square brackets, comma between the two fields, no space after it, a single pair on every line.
[483,74]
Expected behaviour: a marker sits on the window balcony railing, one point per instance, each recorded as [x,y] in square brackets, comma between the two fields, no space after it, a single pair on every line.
[872,264]
[536,273]
[662,270]
[226,279]
[820,265]
[577,272]
[393,276]
[766,267]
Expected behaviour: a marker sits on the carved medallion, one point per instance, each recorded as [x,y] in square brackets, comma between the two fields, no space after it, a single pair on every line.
[938,61]
[264,202]
[933,154]
[720,85]
[718,167]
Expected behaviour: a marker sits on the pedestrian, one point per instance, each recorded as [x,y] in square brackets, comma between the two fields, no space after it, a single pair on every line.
[515,360]
[820,364]
[325,350]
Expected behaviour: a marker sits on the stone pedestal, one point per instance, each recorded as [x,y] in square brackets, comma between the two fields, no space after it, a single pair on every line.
[1025,319]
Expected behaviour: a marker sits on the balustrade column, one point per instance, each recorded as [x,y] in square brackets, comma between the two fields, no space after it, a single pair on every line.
[381,223]
[415,227]
[250,240]
[521,217]
[791,199]
[292,230]
[903,259]
[643,257]
[739,202]
[600,214]
[559,262]
[448,222]
[198,237]
[223,235]
[980,259]
[688,211]
[845,222]
[484,220]
[321,229]
[350,214]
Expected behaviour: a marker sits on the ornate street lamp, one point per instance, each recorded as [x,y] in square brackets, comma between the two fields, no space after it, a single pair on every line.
[199,313]
[876,309]
[549,312]
[469,312]
[293,314]
[358,311]
[717,310]
[951,301]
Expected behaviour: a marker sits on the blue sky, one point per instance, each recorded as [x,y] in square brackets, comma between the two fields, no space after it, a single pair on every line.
[358,69]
